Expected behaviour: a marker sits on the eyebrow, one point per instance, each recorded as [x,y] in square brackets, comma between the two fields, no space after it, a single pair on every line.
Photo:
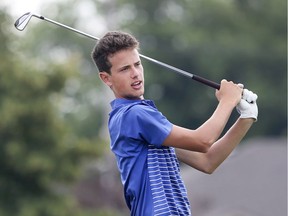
[124,67]
[128,66]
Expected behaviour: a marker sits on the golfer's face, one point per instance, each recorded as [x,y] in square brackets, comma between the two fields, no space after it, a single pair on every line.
[127,79]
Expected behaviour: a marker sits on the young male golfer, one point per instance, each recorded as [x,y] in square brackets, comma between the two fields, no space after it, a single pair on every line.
[147,145]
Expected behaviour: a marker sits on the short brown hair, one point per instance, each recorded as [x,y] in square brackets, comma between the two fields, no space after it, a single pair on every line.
[110,43]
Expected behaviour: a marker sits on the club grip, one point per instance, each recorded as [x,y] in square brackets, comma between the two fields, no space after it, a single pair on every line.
[206,82]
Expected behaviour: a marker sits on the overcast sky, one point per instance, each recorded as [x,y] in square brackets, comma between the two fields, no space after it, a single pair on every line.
[87,14]
[19,7]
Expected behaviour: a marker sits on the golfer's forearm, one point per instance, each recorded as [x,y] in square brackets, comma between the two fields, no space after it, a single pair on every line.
[221,149]
[214,126]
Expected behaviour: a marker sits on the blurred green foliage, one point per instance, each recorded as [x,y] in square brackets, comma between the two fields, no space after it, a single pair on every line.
[53,107]
[239,40]
[41,155]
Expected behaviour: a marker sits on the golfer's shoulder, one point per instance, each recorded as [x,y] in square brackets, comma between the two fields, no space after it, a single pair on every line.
[141,108]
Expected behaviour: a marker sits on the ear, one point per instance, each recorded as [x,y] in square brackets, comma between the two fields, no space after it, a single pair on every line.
[106,78]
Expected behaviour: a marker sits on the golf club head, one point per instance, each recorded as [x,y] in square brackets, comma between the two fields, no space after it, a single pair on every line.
[22,22]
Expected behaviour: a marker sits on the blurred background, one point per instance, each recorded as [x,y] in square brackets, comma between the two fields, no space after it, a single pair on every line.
[54,143]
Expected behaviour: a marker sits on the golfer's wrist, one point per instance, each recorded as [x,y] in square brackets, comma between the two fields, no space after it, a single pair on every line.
[227,103]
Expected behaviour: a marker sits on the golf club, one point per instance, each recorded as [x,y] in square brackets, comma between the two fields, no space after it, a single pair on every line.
[23,21]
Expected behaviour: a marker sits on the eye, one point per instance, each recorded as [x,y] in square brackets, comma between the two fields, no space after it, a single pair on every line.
[124,68]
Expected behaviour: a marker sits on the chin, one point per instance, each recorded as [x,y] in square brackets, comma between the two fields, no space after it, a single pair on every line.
[134,97]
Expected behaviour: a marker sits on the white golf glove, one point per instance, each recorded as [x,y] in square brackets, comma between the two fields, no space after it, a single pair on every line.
[247,108]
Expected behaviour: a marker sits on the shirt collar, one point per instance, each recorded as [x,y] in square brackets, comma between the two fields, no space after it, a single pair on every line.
[122,101]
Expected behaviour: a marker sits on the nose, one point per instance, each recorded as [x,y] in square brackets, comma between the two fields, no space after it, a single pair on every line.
[134,72]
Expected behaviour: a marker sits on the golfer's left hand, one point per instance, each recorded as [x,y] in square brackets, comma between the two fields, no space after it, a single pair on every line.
[247,108]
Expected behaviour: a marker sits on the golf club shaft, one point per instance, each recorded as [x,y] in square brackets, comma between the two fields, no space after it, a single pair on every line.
[172,68]
[67,27]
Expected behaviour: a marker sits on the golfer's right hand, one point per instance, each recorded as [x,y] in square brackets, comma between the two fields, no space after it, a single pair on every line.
[229,92]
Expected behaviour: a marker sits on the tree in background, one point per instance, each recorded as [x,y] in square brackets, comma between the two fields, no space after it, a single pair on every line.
[41,157]
[53,106]
[243,41]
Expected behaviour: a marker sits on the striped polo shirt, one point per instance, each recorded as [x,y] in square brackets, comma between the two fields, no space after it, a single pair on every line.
[149,172]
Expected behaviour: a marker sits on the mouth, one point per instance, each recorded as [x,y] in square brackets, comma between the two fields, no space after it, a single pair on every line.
[137,84]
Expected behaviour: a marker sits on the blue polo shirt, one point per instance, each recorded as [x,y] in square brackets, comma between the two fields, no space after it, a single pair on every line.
[149,171]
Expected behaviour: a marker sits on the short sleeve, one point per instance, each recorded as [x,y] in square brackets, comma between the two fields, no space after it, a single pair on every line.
[147,123]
